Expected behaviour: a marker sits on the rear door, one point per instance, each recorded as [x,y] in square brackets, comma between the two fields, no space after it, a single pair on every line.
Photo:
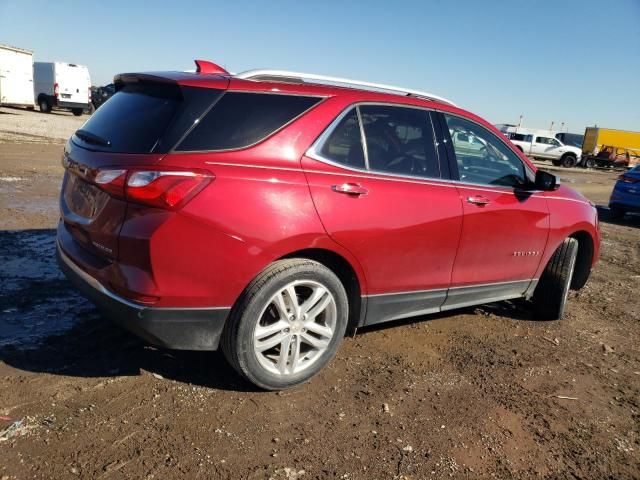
[377,183]
[73,82]
[505,227]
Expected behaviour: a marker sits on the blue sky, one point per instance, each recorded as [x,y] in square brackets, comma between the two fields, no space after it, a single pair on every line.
[572,61]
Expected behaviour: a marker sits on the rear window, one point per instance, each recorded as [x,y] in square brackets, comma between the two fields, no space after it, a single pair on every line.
[242,119]
[145,118]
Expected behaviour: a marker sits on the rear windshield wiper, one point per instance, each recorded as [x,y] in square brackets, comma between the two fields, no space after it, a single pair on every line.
[92,138]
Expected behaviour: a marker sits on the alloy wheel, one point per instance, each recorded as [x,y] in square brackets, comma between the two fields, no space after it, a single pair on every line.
[295,328]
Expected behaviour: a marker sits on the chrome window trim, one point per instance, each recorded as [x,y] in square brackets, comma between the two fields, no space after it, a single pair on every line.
[313,152]
[316,146]
[322,98]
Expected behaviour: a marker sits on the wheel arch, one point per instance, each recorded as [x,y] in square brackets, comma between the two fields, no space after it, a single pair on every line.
[347,274]
[584,260]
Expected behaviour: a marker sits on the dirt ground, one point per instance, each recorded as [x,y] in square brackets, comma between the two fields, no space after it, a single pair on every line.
[476,393]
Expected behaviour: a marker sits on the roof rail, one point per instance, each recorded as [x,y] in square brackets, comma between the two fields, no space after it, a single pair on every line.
[299,77]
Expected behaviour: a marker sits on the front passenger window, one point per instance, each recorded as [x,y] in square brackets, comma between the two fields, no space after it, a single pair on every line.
[483,158]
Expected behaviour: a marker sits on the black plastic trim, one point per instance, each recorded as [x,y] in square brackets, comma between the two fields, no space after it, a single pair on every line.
[173,328]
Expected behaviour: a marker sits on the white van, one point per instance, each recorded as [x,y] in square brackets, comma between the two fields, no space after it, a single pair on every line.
[62,85]
[16,77]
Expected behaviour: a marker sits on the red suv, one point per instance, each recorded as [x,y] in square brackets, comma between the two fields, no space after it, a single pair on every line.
[270,212]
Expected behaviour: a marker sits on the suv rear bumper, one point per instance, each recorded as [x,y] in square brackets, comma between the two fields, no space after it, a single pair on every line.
[174,328]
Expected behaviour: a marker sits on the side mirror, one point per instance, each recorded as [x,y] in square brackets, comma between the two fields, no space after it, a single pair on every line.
[546,181]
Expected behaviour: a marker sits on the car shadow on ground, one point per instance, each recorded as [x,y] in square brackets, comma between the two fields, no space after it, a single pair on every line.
[46,327]
[629,220]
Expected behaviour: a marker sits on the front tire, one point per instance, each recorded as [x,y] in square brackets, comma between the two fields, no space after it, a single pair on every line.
[287,325]
[568,161]
[550,297]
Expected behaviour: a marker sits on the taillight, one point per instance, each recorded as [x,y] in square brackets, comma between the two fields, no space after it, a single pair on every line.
[56,90]
[89,93]
[169,189]
[626,179]
[111,181]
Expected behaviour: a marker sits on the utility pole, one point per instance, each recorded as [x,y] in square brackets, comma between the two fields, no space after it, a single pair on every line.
[520,121]
[551,127]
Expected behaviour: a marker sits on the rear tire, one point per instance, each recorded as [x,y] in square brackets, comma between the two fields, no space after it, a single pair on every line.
[568,161]
[44,105]
[77,111]
[550,296]
[589,163]
[265,322]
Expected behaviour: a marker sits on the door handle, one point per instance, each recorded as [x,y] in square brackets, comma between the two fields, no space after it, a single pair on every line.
[354,189]
[479,200]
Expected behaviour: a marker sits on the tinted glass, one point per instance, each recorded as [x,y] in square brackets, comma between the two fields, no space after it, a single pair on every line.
[242,119]
[400,140]
[144,118]
[520,137]
[485,160]
[344,145]
[573,139]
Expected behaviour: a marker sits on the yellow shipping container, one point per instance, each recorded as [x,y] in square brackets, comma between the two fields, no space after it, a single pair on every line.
[595,138]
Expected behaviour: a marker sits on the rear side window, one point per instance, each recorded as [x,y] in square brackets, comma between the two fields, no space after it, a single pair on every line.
[240,119]
[145,118]
[344,145]
[400,140]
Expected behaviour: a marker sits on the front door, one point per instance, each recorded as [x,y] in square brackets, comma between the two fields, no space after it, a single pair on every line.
[544,147]
[505,227]
[386,203]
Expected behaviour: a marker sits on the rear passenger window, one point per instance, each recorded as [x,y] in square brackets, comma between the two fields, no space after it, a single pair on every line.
[242,119]
[344,145]
[400,140]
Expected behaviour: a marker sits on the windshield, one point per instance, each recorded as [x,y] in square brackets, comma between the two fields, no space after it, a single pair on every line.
[572,139]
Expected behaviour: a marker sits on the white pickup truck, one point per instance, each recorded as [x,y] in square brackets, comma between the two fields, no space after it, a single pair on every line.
[545,147]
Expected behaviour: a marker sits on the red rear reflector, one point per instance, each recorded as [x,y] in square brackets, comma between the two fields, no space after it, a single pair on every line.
[56,89]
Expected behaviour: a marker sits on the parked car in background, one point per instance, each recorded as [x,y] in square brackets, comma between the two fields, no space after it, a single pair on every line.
[545,147]
[62,85]
[16,77]
[626,194]
[99,95]
[267,213]
[606,147]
